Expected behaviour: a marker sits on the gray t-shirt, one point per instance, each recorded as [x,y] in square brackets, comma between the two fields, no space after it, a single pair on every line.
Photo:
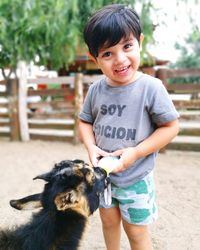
[125,116]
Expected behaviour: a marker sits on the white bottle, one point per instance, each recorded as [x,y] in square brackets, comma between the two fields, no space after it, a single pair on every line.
[108,163]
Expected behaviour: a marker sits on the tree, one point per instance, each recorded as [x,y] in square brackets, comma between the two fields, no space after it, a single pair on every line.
[189,48]
[48,32]
[189,55]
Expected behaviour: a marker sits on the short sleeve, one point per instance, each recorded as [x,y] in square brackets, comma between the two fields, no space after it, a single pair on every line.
[86,112]
[161,108]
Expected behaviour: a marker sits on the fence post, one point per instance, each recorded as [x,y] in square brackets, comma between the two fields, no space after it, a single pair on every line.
[162,75]
[23,119]
[78,87]
[12,92]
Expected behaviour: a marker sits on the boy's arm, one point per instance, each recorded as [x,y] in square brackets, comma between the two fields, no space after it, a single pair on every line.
[88,138]
[157,140]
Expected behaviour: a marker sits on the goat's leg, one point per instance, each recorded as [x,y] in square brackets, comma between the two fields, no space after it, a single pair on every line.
[27,203]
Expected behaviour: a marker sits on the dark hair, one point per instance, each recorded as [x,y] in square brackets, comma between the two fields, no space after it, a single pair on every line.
[109,25]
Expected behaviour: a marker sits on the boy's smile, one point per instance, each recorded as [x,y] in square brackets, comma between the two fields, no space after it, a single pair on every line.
[121,61]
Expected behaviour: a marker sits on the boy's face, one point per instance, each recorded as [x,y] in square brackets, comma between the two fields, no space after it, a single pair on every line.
[120,62]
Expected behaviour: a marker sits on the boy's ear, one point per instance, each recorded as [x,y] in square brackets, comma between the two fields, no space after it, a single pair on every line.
[92,58]
[141,40]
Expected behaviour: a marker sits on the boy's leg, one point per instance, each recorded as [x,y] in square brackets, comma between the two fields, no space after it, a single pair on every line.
[139,236]
[111,224]
[138,210]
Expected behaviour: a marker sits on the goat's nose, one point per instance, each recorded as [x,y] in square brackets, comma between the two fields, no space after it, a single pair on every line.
[100,172]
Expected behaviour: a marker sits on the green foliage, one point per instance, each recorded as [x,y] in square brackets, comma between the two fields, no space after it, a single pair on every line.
[28,28]
[190,51]
[147,28]
[189,55]
[49,32]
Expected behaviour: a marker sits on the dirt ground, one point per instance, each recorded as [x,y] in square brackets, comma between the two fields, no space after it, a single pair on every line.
[177,177]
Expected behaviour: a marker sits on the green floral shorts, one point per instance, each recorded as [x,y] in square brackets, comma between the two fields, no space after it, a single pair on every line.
[136,202]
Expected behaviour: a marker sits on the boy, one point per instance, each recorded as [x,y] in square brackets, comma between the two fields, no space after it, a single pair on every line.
[127,114]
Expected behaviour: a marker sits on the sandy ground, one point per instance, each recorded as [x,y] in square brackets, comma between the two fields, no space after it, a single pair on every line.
[177,177]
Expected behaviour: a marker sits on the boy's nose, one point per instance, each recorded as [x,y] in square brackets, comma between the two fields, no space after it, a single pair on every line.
[120,57]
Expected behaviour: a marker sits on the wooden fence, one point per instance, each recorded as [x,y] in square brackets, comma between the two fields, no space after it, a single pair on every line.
[9,124]
[52,117]
[50,111]
[186,98]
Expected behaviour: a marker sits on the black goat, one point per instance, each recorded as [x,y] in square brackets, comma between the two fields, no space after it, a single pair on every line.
[70,195]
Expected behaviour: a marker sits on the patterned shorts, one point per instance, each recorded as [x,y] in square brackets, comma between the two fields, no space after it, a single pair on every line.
[136,202]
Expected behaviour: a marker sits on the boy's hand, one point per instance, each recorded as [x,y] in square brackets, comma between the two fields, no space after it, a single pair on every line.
[127,157]
[95,153]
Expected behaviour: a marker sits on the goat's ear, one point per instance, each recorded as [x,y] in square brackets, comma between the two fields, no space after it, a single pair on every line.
[46,177]
[27,203]
[78,161]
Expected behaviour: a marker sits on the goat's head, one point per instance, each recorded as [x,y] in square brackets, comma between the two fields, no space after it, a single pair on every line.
[70,185]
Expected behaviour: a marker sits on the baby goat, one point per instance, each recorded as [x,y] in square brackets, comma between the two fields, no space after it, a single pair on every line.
[70,195]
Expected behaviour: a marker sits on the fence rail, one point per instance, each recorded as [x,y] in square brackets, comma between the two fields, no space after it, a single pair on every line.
[189,107]
[54,116]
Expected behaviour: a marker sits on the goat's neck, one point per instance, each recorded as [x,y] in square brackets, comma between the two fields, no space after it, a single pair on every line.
[54,230]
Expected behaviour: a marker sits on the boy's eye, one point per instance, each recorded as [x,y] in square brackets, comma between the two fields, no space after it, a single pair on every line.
[128,45]
[106,54]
